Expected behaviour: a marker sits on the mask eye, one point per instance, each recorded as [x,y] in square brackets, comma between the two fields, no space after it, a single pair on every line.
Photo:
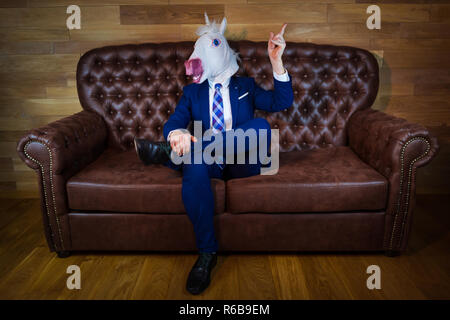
[216,42]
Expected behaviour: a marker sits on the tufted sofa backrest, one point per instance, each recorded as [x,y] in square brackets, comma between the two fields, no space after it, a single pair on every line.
[136,88]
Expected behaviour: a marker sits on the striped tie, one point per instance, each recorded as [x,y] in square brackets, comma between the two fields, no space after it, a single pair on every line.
[218,118]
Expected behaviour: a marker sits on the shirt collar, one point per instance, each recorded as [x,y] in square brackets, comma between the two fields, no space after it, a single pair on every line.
[224,83]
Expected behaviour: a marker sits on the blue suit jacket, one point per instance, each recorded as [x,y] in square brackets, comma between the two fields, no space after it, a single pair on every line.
[194,103]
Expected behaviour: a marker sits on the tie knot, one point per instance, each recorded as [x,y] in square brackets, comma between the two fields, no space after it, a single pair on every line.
[218,86]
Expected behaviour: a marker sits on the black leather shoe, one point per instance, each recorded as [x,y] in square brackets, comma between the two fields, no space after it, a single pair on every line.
[200,275]
[152,152]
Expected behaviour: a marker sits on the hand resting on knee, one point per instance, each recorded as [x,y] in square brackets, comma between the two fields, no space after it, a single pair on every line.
[180,141]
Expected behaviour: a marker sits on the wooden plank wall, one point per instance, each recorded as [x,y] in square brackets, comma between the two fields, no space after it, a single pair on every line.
[38,56]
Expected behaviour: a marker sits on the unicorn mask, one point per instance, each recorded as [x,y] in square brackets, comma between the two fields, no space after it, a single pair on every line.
[212,57]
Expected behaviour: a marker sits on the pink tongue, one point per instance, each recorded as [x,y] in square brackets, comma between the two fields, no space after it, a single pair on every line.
[193,66]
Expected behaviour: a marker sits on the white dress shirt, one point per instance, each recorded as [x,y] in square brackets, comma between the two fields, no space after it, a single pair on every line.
[226,99]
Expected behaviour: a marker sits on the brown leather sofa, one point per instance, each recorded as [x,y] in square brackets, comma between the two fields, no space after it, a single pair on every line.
[347,172]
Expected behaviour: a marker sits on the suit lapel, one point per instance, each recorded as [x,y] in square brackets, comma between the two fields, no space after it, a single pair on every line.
[204,104]
[234,91]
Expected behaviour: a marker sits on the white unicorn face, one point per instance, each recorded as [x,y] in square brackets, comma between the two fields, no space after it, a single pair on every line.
[212,57]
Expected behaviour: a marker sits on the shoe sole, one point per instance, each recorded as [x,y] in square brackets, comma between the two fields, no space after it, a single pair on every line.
[135,147]
[138,152]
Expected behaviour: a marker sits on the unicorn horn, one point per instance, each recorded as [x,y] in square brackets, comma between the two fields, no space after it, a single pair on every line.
[206,18]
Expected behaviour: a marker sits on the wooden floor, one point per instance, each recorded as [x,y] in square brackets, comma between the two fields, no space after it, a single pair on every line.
[29,271]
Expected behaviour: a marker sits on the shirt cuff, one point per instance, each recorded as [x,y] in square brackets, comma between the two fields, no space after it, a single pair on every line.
[281,77]
[168,136]
[170,133]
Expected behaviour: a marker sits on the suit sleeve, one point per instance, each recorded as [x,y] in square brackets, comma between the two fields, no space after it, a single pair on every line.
[280,98]
[182,115]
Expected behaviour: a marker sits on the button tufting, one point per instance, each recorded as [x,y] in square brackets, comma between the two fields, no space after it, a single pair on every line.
[102,81]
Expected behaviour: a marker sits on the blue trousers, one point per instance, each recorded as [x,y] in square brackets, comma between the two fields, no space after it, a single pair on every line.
[197,194]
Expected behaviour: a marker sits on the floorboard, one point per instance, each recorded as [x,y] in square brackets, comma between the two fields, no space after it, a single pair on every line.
[29,271]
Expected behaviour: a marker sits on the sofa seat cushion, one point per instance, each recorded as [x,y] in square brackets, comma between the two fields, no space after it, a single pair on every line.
[317,180]
[118,182]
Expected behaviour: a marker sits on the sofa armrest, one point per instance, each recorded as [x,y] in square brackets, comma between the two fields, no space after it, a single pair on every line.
[56,152]
[395,148]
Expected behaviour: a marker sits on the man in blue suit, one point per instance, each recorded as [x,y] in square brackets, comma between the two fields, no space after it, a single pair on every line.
[220,101]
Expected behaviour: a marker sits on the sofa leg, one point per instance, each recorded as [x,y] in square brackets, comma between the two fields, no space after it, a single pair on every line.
[392,253]
[63,254]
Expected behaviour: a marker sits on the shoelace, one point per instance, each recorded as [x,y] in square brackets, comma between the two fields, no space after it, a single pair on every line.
[166,147]
[204,261]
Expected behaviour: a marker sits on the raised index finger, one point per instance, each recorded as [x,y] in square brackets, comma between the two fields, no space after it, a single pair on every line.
[282,29]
